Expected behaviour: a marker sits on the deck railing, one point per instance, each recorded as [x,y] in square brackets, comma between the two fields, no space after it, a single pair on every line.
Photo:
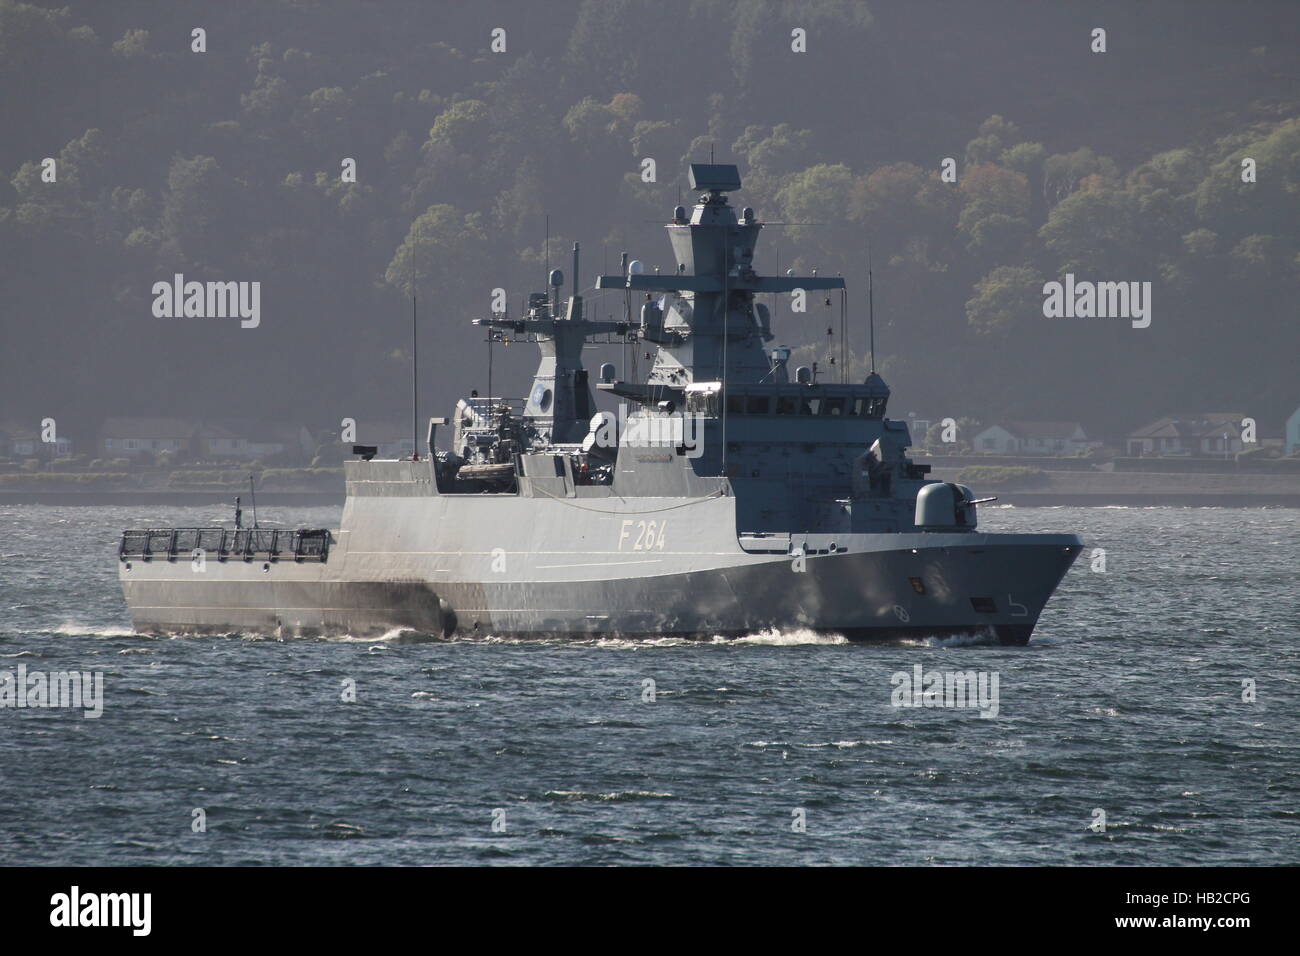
[304,544]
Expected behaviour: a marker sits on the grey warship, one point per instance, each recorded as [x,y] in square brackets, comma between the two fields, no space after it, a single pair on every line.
[726,497]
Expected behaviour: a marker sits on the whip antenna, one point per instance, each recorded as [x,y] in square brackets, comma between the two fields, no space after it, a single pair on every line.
[415,387]
[871,308]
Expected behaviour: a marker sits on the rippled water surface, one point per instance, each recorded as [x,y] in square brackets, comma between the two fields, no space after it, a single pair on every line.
[1129,699]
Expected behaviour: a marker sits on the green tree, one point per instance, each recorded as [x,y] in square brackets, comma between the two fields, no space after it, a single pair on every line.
[199,211]
[1064,172]
[996,136]
[1095,232]
[440,248]
[1007,298]
[815,196]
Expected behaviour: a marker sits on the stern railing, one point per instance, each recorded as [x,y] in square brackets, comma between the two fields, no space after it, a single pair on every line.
[304,544]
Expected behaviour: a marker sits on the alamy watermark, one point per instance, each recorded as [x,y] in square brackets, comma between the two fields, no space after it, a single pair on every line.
[37,689]
[669,430]
[75,908]
[1099,300]
[963,689]
[208,300]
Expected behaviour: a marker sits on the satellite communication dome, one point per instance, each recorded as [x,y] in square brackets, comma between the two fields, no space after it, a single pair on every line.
[635,267]
[557,278]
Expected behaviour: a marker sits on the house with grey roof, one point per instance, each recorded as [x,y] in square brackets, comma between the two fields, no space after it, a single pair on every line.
[1192,433]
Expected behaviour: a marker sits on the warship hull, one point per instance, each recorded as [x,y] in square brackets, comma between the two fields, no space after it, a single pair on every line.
[725,498]
[524,567]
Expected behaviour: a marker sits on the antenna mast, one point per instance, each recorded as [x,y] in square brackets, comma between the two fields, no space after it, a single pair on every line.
[415,387]
[844,335]
[871,308]
[253,493]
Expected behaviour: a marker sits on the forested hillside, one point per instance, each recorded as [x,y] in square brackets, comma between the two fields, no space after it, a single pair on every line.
[226,165]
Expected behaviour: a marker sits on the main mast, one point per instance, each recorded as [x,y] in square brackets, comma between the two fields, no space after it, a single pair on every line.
[703,317]
[560,403]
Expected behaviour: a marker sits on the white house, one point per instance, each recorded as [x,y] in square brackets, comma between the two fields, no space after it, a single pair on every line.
[1034,438]
[24,441]
[132,437]
[253,439]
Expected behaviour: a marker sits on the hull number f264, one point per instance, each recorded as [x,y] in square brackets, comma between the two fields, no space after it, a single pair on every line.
[642,535]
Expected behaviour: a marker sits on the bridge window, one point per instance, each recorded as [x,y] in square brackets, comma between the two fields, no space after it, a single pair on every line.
[870,407]
[703,403]
[787,405]
[833,406]
[756,405]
